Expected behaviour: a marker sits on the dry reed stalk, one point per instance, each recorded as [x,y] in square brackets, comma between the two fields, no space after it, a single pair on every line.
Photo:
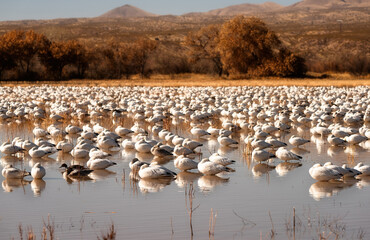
[272,234]
[110,235]
[212,224]
[190,209]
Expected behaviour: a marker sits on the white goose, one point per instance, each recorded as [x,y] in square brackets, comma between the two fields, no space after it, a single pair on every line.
[155,171]
[286,155]
[297,141]
[217,158]
[10,149]
[38,171]
[364,169]
[184,163]
[321,173]
[210,168]
[99,164]
[13,173]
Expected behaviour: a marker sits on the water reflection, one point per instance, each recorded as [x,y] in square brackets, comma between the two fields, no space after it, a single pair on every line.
[334,151]
[262,168]
[208,182]
[185,178]
[101,174]
[283,168]
[37,186]
[5,160]
[320,190]
[364,182]
[299,151]
[10,184]
[153,185]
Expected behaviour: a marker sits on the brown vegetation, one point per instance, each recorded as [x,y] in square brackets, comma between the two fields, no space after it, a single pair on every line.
[325,44]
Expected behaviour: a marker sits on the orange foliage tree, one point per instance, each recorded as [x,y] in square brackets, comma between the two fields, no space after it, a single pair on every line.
[245,43]
[203,45]
[141,51]
[23,48]
[56,55]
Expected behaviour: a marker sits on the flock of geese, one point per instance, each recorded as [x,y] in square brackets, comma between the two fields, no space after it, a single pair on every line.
[171,124]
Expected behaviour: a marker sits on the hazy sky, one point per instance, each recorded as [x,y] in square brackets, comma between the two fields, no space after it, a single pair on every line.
[49,9]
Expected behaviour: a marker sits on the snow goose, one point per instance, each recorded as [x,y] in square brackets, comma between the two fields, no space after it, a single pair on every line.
[260,155]
[364,169]
[64,146]
[184,163]
[286,155]
[142,146]
[37,152]
[297,141]
[336,141]
[217,158]
[99,164]
[160,152]
[155,171]
[226,141]
[13,173]
[135,164]
[199,133]
[275,143]
[210,168]
[38,171]
[80,153]
[321,173]
[97,153]
[10,149]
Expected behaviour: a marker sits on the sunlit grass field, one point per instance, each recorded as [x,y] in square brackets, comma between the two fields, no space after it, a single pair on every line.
[198,80]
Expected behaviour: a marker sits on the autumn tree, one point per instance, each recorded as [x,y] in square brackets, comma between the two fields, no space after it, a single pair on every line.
[141,52]
[6,60]
[245,43]
[285,64]
[23,48]
[202,45]
[56,55]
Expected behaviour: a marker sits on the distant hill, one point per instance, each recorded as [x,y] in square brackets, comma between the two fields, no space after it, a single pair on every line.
[328,4]
[245,9]
[126,11]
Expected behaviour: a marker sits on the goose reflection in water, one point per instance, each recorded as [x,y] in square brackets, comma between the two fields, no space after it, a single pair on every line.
[320,190]
[37,186]
[101,174]
[353,150]
[46,161]
[364,181]
[206,183]
[283,168]
[334,151]
[299,151]
[153,185]
[160,160]
[184,178]
[144,157]
[5,160]
[64,157]
[259,169]
[319,141]
[9,184]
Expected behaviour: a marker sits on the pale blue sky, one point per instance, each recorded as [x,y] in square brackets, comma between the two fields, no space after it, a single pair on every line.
[49,9]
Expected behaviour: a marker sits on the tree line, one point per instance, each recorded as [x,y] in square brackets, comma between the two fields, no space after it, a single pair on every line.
[240,46]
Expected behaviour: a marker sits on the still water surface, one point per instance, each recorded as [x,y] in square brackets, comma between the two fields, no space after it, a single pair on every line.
[250,203]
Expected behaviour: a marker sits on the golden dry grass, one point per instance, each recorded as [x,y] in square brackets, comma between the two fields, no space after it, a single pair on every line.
[193,80]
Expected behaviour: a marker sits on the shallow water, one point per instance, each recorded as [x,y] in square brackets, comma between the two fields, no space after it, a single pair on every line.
[251,203]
